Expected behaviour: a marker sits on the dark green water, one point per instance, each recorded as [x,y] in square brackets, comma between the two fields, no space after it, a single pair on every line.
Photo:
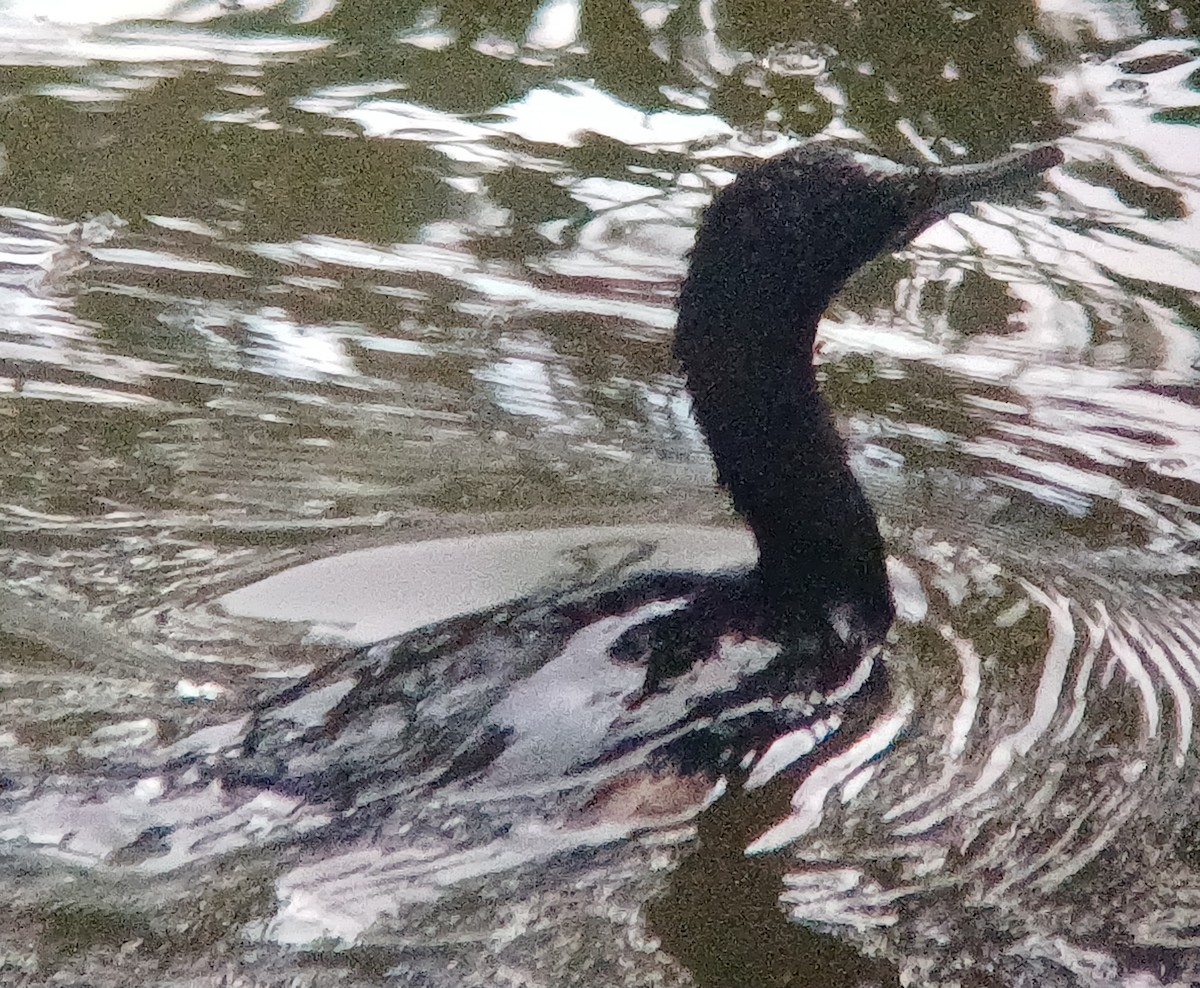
[281,280]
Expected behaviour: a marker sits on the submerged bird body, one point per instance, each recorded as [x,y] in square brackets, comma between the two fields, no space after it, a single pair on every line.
[557,756]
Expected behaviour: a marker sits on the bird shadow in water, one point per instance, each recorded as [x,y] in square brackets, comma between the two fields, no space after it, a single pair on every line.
[720,916]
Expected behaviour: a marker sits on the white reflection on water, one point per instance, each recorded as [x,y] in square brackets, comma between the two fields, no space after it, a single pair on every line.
[554,24]
[163,260]
[564,115]
[85,13]
[37,42]
[284,348]
[523,386]
[39,330]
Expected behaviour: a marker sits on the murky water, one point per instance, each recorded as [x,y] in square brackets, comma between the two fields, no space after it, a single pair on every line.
[279,281]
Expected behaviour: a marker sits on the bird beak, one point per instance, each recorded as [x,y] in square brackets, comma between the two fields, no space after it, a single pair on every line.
[955,187]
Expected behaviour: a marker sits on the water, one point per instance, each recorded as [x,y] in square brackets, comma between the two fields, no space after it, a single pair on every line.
[283,281]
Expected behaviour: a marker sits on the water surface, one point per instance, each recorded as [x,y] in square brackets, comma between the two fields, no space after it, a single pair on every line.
[279,281]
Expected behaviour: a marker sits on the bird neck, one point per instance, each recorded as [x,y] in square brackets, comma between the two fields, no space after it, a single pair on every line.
[785,465]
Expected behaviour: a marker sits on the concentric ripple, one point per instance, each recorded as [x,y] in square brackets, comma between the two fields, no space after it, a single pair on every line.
[1047,816]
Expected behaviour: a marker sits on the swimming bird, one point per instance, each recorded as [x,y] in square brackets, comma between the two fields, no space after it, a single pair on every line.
[612,721]
[668,668]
